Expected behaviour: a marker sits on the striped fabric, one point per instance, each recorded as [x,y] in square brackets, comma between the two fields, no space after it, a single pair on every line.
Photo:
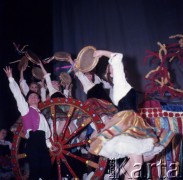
[169,164]
[131,124]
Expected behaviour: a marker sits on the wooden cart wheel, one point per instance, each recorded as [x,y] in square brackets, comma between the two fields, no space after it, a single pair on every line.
[64,112]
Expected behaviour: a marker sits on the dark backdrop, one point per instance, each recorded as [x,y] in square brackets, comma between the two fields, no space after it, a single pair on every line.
[127,26]
[24,22]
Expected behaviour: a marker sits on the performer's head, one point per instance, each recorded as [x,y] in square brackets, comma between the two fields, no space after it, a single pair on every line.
[33,98]
[65,80]
[33,86]
[55,84]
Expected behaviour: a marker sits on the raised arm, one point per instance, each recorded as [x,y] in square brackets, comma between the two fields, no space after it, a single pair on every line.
[22,74]
[42,68]
[42,90]
[21,103]
[50,87]
[23,84]
[100,53]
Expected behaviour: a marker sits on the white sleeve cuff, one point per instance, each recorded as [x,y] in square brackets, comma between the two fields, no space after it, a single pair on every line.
[43,94]
[11,79]
[23,80]
[47,75]
[115,58]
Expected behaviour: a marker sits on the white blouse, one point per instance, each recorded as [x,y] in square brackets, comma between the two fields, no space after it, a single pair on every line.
[120,85]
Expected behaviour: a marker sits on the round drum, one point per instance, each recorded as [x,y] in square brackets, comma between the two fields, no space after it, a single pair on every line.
[37,73]
[32,57]
[65,78]
[61,56]
[85,61]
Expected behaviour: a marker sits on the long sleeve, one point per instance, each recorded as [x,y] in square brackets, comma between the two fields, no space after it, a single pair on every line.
[21,103]
[43,94]
[24,87]
[49,84]
[87,84]
[121,86]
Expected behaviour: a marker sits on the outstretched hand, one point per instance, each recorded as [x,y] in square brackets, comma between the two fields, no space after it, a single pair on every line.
[8,71]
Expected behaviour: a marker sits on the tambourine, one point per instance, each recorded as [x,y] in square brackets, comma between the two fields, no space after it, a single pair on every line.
[65,78]
[37,73]
[59,56]
[85,61]
[32,57]
[23,63]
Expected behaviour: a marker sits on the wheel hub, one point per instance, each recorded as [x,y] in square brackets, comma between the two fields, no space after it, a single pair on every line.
[59,149]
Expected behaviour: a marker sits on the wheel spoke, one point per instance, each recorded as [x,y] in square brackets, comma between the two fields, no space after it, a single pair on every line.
[64,160]
[59,168]
[86,161]
[69,115]
[52,159]
[79,114]
[69,146]
[53,116]
[68,124]
[81,127]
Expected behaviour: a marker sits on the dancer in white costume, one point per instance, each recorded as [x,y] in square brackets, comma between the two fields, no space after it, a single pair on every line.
[127,134]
